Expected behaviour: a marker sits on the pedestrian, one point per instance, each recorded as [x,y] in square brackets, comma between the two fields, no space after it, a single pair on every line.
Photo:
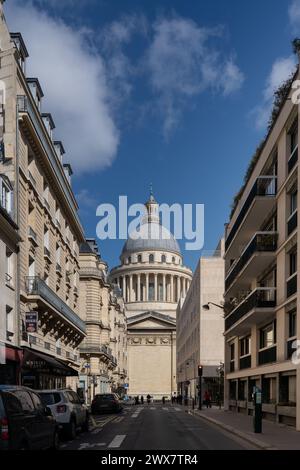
[218,399]
[142,400]
[206,398]
[209,398]
[163,400]
[148,398]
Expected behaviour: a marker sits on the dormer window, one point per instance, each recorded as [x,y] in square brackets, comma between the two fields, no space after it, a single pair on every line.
[36,91]
[68,172]
[6,193]
[23,53]
[59,148]
[49,123]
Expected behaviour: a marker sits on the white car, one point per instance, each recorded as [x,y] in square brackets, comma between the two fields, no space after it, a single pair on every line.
[68,410]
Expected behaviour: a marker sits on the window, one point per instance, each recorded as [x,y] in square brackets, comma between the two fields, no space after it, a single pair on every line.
[25,400]
[9,273]
[232,352]
[293,262]
[31,267]
[5,193]
[129,260]
[293,201]
[139,258]
[268,336]
[163,258]
[294,137]
[173,259]
[245,346]
[9,321]
[36,401]
[293,323]
[46,237]
[12,404]
[151,258]
[151,291]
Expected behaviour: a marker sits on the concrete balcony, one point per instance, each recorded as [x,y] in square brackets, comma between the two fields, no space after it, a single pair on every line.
[38,290]
[256,257]
[260,201]
[258,305]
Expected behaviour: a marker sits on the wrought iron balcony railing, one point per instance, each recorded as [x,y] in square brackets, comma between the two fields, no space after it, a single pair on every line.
[36,286]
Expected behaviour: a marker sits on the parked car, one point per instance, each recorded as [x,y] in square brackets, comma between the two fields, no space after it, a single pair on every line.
[25,423]
[68,409]
[105,402]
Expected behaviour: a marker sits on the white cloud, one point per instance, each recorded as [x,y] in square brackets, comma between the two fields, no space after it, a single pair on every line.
[182,64]
[85,198]
[281,70]
[74,81]
[294,14]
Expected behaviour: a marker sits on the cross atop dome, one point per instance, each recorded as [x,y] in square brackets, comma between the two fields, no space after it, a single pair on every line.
[152,208]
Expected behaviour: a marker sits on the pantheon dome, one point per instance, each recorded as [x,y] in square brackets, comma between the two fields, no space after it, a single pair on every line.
[151,275]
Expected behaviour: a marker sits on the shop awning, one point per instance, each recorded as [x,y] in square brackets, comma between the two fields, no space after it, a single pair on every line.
[36,361]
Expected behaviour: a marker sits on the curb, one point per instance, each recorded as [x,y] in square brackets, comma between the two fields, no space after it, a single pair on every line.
[258,443]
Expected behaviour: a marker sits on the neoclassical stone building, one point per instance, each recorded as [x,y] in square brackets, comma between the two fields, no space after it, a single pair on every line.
[103,352]
[152,278]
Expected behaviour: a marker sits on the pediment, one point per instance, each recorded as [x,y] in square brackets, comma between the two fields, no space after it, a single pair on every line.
[151,320]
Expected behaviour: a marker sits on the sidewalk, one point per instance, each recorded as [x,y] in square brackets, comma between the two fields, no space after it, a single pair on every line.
[274,436]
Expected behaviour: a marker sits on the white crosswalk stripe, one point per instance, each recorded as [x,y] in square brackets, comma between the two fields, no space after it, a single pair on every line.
[117,441]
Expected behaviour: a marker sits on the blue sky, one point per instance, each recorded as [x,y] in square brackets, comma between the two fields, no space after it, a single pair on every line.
[176,93]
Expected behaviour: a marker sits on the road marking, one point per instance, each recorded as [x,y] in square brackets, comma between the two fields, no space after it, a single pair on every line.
[119,419]
[177,409]
[166,409]
[87,445]
[136,413]
[117,441]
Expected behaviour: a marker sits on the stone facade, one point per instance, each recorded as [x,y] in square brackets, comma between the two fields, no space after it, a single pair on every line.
[152,278]
[200,340]
[45,211]
[103,351]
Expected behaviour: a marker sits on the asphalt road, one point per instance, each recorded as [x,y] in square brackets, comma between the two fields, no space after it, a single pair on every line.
[154,427]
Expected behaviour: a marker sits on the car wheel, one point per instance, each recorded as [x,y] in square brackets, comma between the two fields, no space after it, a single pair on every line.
[71,433]
[86,426]
[55,445]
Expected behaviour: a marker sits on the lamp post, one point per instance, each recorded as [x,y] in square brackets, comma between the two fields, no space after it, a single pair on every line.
[206,306]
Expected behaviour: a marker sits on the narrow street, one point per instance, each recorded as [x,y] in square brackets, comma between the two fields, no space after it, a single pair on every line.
[154,427]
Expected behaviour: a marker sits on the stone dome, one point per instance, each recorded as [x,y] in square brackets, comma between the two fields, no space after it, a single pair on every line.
[151,236]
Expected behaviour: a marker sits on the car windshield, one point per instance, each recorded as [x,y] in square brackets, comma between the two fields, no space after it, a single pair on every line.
[50,398]
[105,397]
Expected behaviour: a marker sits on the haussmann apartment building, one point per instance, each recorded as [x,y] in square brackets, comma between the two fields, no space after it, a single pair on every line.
[262,313]
[41,291]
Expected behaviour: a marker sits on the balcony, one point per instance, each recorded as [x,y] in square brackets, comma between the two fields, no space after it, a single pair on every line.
[245,362]
[258,304]
[32,236]
[293,159]
[291,285]
[35,286]
[257,205]
[292,223]
[267,355]
[257,255]
[26,107]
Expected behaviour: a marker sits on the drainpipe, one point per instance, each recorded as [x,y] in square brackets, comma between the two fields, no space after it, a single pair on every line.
[17,220]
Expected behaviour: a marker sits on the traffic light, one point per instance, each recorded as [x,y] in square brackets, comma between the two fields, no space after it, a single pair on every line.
[200,371]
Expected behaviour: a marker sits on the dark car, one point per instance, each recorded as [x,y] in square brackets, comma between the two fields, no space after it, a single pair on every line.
[24,422]
[106,402]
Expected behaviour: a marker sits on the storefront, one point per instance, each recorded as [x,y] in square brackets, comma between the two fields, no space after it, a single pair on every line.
[41,371]
[10,368]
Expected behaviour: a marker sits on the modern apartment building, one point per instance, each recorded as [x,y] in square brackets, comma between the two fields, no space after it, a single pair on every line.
[103,351]
[200,327]
[45,212]
[261,282]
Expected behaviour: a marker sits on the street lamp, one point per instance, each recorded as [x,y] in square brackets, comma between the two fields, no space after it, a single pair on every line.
[206,306]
